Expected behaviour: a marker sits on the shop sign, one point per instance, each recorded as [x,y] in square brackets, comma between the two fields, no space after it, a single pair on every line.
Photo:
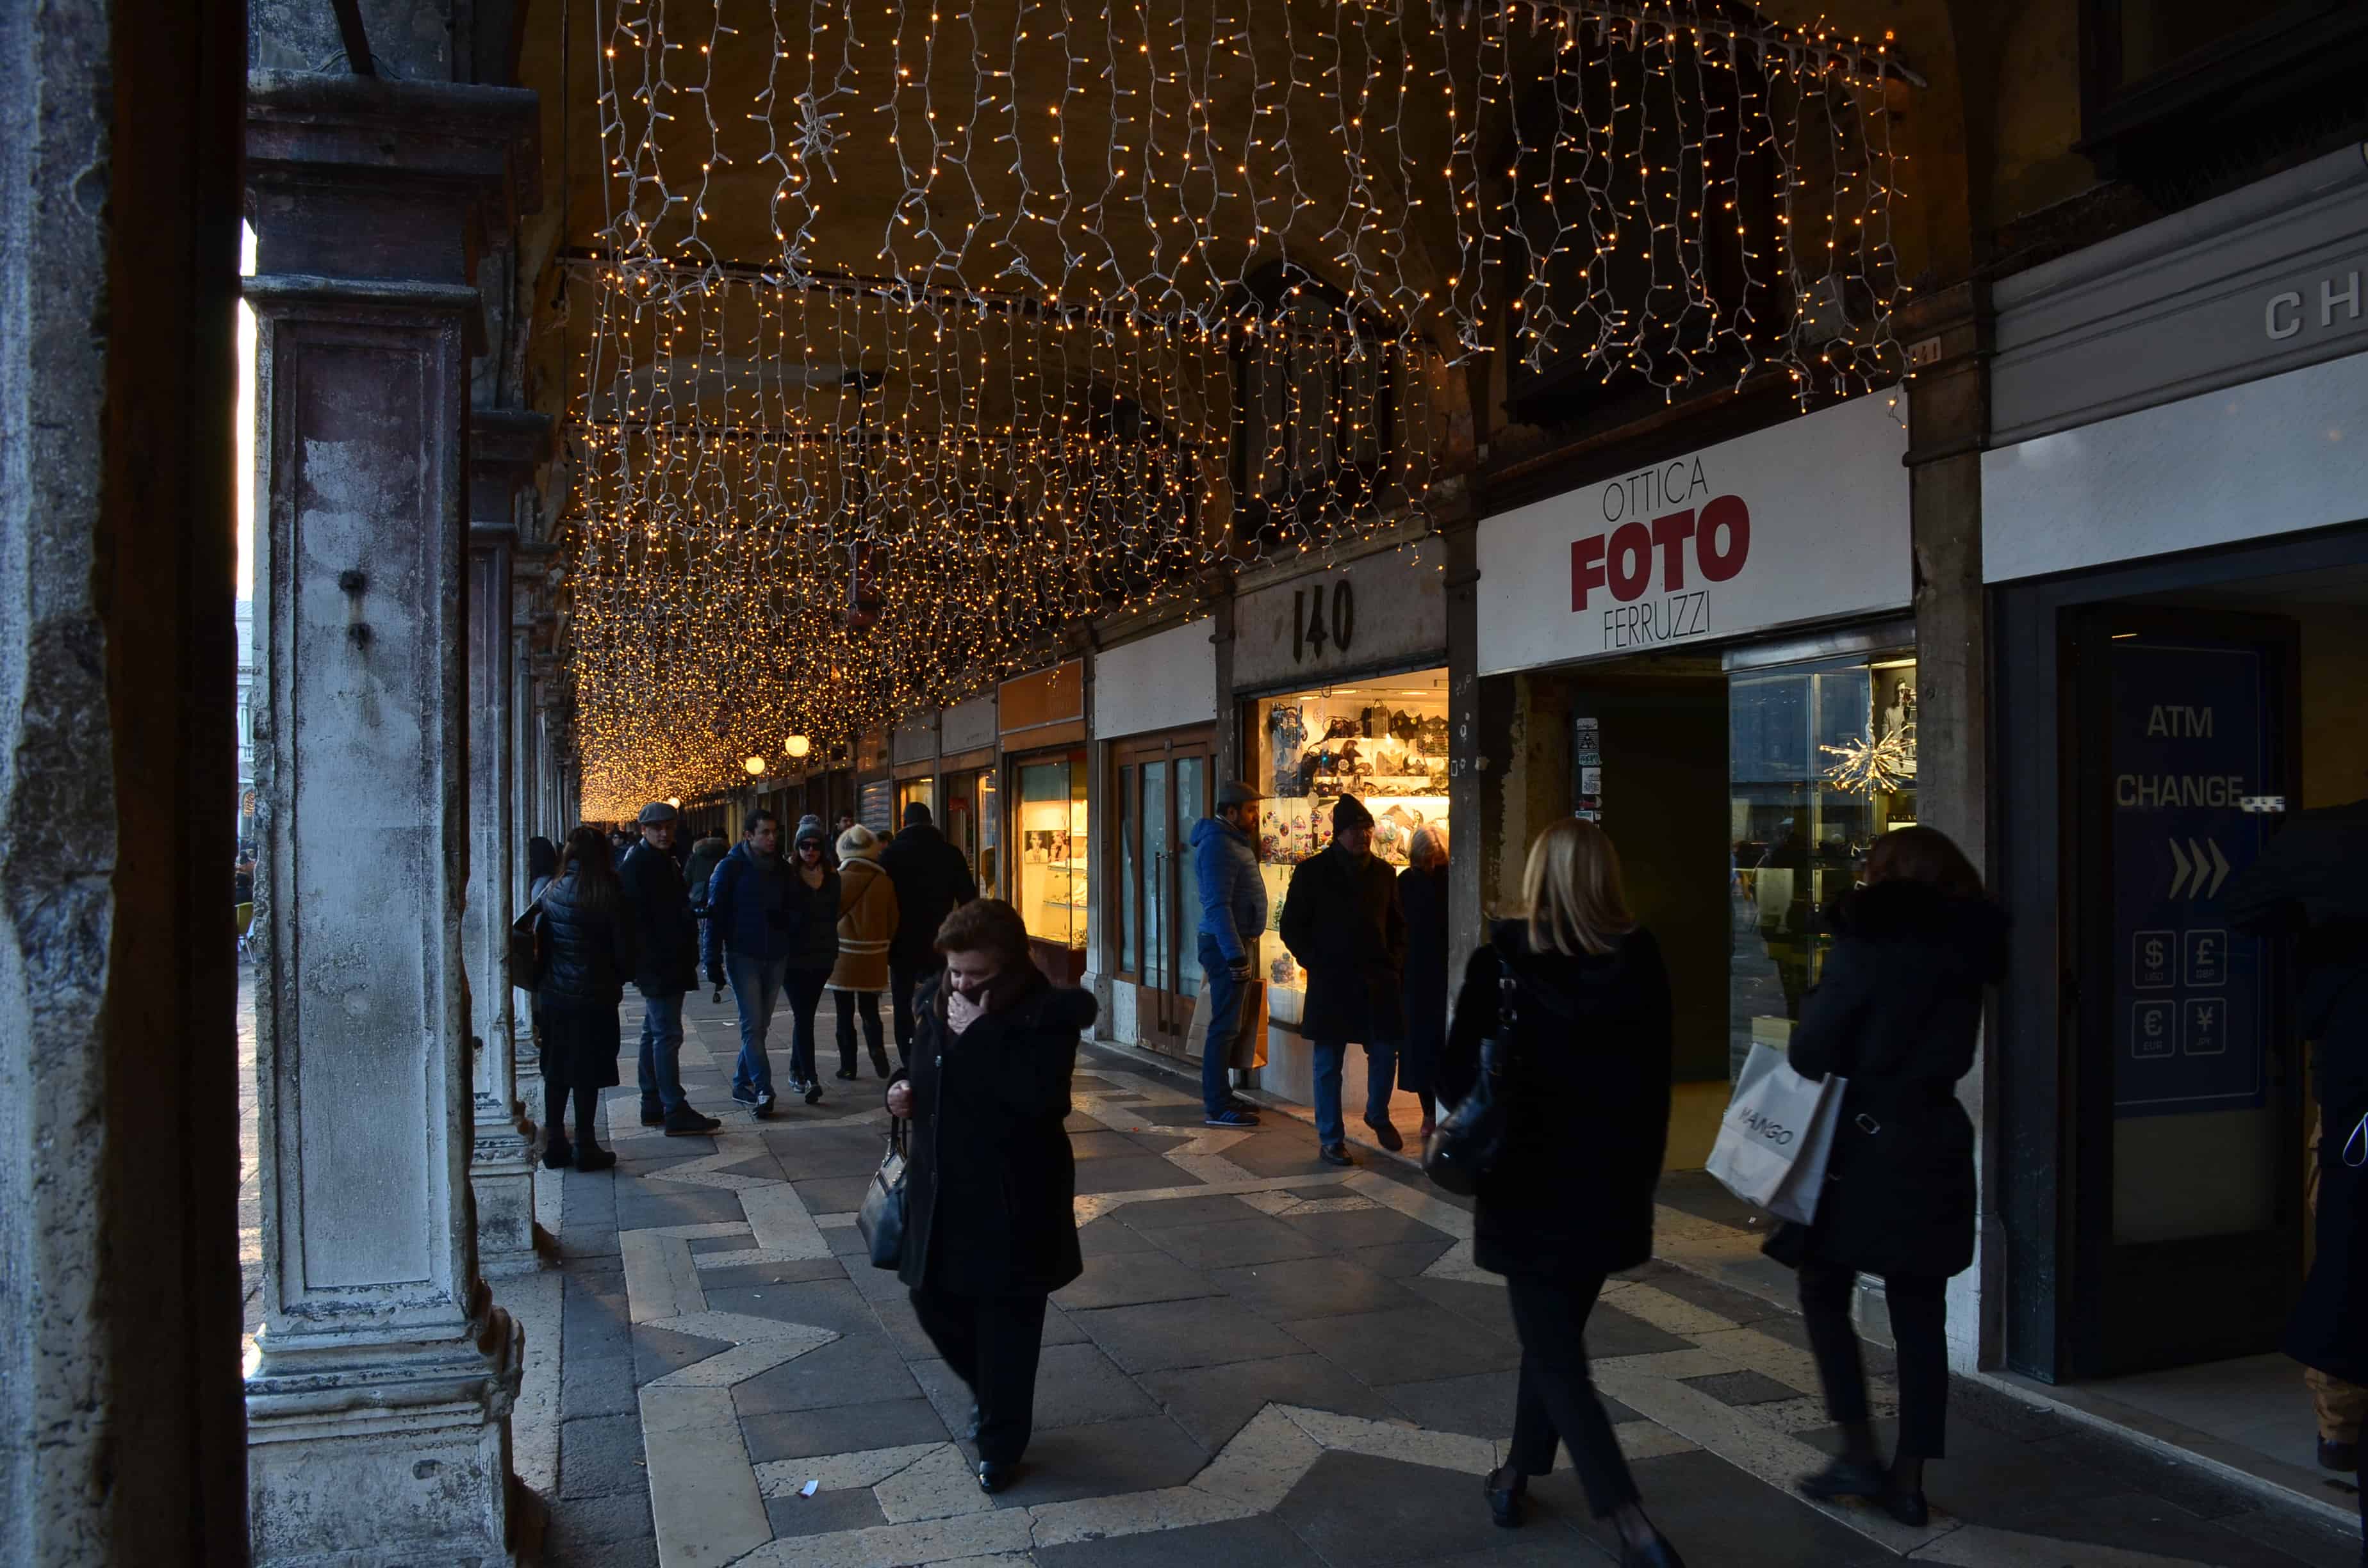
[1160,682]
[914,740]
[1047,697]
[2191,749]
[1805,521]
[969,725]
[1389,608]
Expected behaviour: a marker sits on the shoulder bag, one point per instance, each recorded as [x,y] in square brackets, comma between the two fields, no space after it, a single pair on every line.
[1466,1146]
[882,1217]
[525,947]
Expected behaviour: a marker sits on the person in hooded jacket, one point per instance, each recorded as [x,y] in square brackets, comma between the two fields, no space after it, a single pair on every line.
[932,880]
[588,952]
[1579,991]
[867,923]
[813,909]
[1897,1012]
[1232,918]
[990,1191]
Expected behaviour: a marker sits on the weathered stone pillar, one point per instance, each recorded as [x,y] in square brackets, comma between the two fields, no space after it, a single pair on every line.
[379,1408]
[526,822]
[1467,769]
[505,449]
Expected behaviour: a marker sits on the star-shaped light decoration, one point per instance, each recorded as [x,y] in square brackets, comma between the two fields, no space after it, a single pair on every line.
[1871,766]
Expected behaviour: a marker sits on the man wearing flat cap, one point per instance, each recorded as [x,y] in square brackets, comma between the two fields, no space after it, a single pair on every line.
[1232,914]
[659,904]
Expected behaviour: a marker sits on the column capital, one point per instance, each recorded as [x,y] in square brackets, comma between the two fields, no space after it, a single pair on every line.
[505,447]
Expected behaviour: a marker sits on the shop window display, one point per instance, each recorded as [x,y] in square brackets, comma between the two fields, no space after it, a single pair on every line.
[1821,763]
[1049,831]
[1383,740]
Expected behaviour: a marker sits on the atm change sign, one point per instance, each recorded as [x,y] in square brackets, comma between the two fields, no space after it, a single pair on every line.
[2191,747]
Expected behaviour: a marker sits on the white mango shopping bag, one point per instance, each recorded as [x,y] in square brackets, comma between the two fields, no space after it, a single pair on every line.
[1779,1130]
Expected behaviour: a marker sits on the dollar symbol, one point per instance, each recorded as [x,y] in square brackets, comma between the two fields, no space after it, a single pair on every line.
[2153,953]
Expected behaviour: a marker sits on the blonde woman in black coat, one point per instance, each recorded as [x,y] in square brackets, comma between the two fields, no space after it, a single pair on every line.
[1570,1200]
[1897,1012]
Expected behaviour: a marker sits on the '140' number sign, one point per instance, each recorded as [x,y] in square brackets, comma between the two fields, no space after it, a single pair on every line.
[1318,617]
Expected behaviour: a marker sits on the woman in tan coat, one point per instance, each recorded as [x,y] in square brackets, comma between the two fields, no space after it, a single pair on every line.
[866,923]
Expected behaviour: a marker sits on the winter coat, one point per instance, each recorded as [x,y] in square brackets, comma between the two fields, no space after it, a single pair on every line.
[1422,896]
[704,857]
[1233,894]
[1897,1012]
[588,954]
[2311,883]
[749,909]
[867,923]
[1587,1093]
[931,878]
[813,921]
[1341,921]
[667,933]
[990,1192]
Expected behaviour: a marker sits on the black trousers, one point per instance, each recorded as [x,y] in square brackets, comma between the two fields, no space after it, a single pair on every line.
[1557,1402]
[1919,1313]
[902,982]
[991,1342]
[852,1005]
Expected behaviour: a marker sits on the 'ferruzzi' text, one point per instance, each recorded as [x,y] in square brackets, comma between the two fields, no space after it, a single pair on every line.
[1657,621]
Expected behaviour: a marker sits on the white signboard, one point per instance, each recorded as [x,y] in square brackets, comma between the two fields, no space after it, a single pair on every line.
[1800,522]
[1160,682]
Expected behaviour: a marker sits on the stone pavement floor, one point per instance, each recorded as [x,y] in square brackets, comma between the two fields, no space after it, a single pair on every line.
[1266,1359]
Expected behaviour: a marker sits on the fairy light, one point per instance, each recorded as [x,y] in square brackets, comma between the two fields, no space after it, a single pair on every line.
[1068,307]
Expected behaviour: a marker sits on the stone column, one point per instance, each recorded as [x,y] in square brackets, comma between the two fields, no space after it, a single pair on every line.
[1468,771]
[378,1407]
[504,448]
[526,822]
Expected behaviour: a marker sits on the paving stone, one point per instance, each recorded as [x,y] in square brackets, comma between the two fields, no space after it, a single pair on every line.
[1101,1145]
[700,1244]
[1232,1243]
[1159,1141]
[1060,1328]
[1715,1515]
[1170,1114]
[812,1153]
[835,1304]
[595,1317]
[597,1385]
[859,1368]
[1351,1508]
[842,1429]
[833,1194]
[657,1351]
[1363,1228]
[1127,1279]
[1077,1385]
[1161,1335]
[849,1244]
[1744,1388]
[1266,1542]
[1183,1211]
[1104,1458]
[1212,1403]
[1610,1332]
[1699,1194]
[560,1552]
[600,1455]
[585,1241]
[1309,1288]
[710,1281]
[680,1205]
[1278,1149]
[1486,1306]
[1412,1344]
[854,1509]
[1131,1173]
[1105,1236]
[577,1525]
[1399,1260]
[1739,1307]
[1479,1403]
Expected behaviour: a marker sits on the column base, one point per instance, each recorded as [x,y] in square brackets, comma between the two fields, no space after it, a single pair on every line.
[501,1175]
[386,1455]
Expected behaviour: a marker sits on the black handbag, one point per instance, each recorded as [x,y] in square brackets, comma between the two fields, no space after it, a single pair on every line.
[882,1217]
[1466,1146]
[525,947]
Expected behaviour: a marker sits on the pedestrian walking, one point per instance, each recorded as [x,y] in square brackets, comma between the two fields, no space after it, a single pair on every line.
[1341,921]
[541,865]
[1582,995]
[932,881]
[990,1194]
[1422,896]
[2310,883]
[1896,1012]
[588,949]
[1233,917]
[866,923]
[747,945]
[813,895]
[659,903]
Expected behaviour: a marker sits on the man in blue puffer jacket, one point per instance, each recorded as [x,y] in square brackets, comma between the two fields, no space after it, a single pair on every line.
[748,940]
[1232,915]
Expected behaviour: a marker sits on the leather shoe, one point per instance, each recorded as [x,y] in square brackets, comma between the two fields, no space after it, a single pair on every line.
[653,1114]
[558,1154]
[1334,1154]
[1505,1501]
[2342,1458]
[1909,1507]
[688,1123]
[1847,1478]
[1386,1135]
[589,1158]
[994,1477]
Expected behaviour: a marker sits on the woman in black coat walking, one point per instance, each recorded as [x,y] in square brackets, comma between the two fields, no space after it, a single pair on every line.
[1896,1012]
[1569,1202]
[1422,895]
[588,952]
[990,1194]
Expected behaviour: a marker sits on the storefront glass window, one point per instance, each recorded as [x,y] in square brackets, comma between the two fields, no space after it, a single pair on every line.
[912,791]
[1821,761]
[1051,825]
[1382,740]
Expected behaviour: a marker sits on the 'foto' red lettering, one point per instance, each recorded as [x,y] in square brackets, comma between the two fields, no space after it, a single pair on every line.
[1621,561]
[1586,569]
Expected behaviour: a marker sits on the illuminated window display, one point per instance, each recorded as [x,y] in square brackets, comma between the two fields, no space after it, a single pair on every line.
[1049,836]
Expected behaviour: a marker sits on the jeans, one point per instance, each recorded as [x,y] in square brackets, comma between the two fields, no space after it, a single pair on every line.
[851,1004]
[1557,1402]
[1919,1310]
[661,1071]
[756,991]
[902,983]
[1381,1073]
[991,1343]
[805,987]
[1221,997]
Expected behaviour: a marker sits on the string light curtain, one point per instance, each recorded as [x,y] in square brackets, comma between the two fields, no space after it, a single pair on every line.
[915,330]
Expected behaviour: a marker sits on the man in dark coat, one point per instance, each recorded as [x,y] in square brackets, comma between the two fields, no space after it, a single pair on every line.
[932,881]
[668,966]
[1341,921]
[2311,883]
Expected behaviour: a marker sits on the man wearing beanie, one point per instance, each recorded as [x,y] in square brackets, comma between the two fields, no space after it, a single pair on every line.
[1341,921]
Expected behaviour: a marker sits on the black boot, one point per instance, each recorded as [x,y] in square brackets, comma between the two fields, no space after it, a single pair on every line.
[1506,1488]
